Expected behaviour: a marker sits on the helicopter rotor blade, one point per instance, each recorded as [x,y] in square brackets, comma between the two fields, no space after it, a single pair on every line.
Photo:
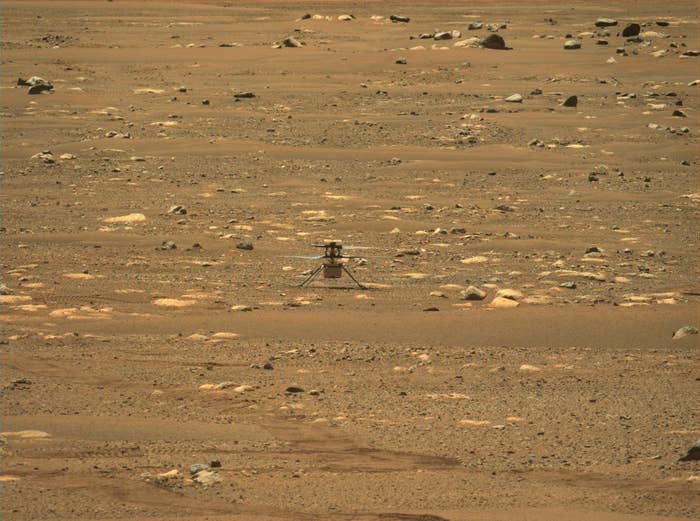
[303,256]
[358,247]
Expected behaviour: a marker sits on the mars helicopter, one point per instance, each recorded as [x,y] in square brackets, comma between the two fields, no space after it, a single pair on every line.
[332,266]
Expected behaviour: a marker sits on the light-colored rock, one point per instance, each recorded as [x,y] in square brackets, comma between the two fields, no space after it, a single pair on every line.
[478,259]
[501,302]
[173,302]
[26,434]
[684,332]
[130,218]
[512,294]
[472,293]
[527,368]
[224,335]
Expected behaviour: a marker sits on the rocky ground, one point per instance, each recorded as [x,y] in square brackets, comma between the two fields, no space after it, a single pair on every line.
[525,344]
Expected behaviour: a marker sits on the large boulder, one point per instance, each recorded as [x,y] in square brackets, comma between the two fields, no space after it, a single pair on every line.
[494,41]
[631,30]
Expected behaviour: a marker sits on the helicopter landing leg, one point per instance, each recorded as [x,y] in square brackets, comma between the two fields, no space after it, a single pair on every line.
[312,276]
[353,278]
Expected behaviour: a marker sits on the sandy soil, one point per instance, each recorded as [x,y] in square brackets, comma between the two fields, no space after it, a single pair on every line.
[138,339]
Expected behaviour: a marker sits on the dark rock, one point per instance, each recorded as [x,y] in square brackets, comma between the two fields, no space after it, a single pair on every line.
[215,464]
[268,366]
[399,18]
[662,23]
[205,102]
[244,95]
[571,101]
[536,92]
[689,54]
[432,308]
[289,41]
[182,88]
[568,285]
[305,16]
[593,249]
[244,246]
[601,42]
[475,26]
[39,88]
[679,114]
[693,453]
[572,44]
[494,41]
[294,389]
[632,29]
[504,208]
[401,61]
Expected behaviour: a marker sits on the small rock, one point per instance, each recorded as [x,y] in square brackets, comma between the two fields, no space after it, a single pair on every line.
[572,44]
[167,245]
[346,17]
[268,366]
[198,467]
[514,98]
[178,209]
[571,101]
[401,61]
[535,143]
[289,41]
[684,332]
[679,114]
[475,26]
[241,308]
[502,302]
[206,477]
[244,246]
[443,35]
[568,285]
[631,29]
[182,88]
[605,22]
[46,156]
[293,389]
[244,95]
[472,293]
[494,41]
[399,18]
[432,308]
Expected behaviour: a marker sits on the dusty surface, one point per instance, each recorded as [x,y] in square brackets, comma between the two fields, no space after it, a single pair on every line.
[124,362]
